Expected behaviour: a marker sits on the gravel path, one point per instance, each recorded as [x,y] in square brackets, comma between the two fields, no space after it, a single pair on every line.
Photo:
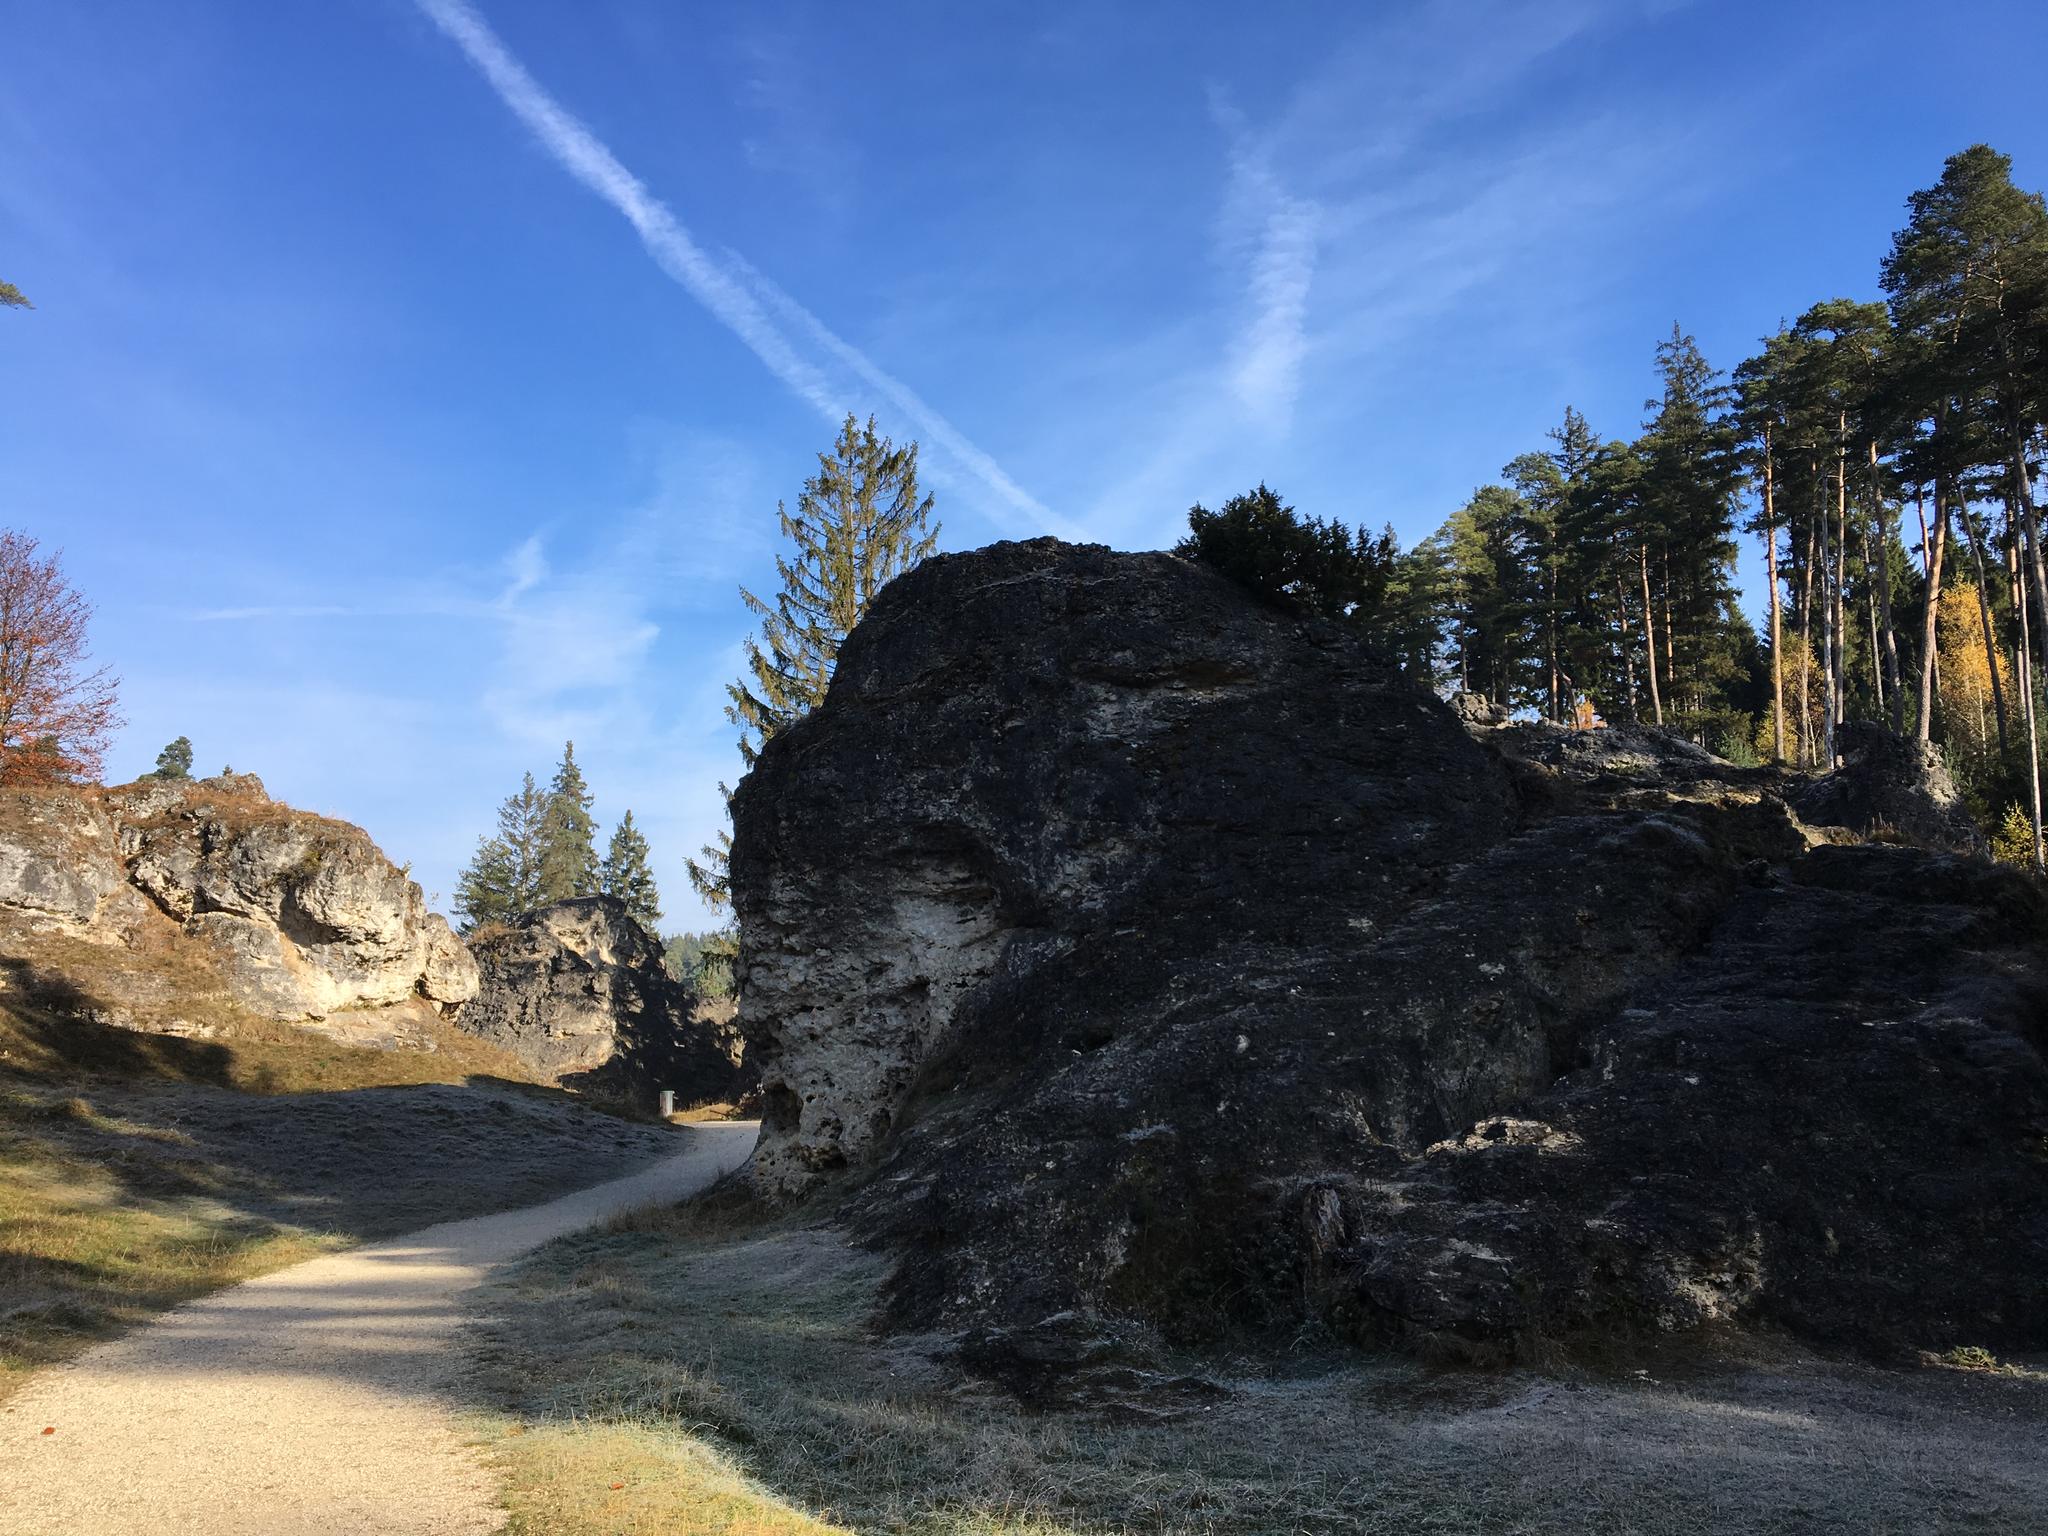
[309,1402]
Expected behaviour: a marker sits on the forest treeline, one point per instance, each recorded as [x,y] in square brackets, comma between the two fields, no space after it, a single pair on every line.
[1882,452]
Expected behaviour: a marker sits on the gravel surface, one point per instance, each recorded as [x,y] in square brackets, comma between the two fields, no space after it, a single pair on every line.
[315,1400]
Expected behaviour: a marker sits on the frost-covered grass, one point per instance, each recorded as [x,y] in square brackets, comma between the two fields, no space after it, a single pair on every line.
[137,1172]
[695,1376]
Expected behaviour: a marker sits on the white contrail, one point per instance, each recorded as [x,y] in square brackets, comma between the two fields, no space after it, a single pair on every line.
[729,300]
[934,426]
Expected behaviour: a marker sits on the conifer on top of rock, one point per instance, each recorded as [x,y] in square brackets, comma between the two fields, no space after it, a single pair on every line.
[627,875]
[860,522]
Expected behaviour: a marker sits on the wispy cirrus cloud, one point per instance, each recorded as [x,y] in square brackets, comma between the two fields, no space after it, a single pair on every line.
[733,292]
[1272,235]
[1418,178]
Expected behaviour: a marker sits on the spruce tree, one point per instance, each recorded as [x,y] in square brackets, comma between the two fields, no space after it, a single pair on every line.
[568,850]
[1690,472]
[175,761]
[502,880]
[860,522]
[1486,622]
[626,874]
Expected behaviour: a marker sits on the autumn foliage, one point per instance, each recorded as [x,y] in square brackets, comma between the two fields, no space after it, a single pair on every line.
[55,716]
[1969,696]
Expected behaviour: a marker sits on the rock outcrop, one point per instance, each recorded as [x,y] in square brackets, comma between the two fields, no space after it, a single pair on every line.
[1147,963]
[296,917]
[578,991]
[1891,788]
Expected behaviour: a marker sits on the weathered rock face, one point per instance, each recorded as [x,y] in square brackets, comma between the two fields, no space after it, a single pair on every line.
[60,862]
[1063,771]
[579,992]
[1156,960]
[303,918]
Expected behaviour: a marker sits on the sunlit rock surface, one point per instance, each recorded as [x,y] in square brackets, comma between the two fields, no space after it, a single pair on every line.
[296,917]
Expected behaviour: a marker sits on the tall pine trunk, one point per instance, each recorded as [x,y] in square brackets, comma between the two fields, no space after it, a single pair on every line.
[1670,638]
[2027,693]
[1771,571]
[1931,552]
[1841,578]
[1628,656]
[1806,754]
[1831,634]
[1882,576]
[2023,493]
[1650,638]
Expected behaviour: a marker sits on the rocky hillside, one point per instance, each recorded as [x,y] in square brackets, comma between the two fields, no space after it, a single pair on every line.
[579,992]
[1146,963]
[131,904]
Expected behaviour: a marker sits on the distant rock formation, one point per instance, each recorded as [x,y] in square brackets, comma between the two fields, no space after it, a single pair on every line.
[173,887]
[579,992]
[1148,964]
[1891,788]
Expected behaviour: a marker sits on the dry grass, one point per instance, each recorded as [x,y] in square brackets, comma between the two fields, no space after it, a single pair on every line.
[228,802]
[709,1110]
[82,1258]
[138,1171]
[631,1481]
[44,1043]
[721,1372]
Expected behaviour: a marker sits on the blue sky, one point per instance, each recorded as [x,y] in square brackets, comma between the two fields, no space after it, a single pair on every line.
[393,451]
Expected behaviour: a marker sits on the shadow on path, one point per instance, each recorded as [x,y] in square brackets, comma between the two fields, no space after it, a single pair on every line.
[313,1400]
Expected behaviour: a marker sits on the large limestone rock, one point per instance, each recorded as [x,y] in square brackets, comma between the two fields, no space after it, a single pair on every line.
[1146,963]
[59,861]
[299,917]
[579,992]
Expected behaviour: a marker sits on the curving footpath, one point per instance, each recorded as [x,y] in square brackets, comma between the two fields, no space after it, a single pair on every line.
[312,1402]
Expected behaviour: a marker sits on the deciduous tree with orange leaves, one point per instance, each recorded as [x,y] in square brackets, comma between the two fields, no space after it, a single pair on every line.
[55,716]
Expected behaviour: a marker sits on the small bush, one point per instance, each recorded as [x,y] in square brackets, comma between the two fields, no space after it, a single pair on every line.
[1736,746]
[2013,841]
[1971,1357]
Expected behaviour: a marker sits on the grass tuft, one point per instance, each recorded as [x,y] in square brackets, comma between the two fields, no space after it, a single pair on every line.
[626,1480]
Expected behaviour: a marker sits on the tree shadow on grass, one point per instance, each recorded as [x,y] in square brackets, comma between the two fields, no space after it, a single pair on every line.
[56,1024]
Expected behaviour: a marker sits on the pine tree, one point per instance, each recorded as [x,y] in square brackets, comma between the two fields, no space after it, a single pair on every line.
[1690,473]
[1485,619]
[859,523]
[1840,359]
[175,761]
[626,874]
[12,297]
[502,880]
[1764,389]
[568,850]
[1968,283]
[1296,562]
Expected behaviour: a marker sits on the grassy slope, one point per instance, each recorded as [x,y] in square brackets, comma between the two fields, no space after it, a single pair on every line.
[660,1377]
[139,1171]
